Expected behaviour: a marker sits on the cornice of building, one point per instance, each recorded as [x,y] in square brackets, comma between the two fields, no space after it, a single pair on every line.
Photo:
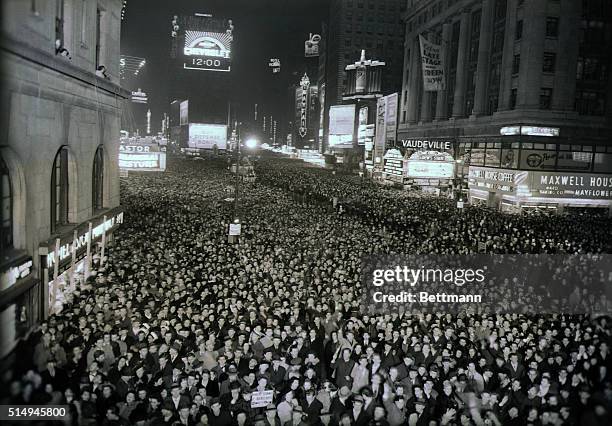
[60,65]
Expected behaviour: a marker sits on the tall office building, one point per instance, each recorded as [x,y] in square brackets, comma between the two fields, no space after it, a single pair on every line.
[60,121]
[527,87]
[355,25]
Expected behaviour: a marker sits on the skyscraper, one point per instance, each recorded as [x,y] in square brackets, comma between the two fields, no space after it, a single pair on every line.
[355,25]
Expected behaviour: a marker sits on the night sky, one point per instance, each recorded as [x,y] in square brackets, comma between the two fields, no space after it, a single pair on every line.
[264,29]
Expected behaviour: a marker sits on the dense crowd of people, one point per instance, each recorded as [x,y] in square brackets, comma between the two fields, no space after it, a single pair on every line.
[181,327]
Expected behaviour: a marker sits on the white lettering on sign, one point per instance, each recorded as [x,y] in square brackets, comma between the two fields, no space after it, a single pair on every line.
[432,65]
[65,250]
[426,144]
[261,398]
[14,273]
[498,176]
[562,180]
[134,148]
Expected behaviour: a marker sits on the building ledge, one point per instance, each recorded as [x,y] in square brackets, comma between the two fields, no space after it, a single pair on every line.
[58,64]
[12,256]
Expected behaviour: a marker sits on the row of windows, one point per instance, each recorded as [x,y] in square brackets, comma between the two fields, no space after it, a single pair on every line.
[535,156]
[525,144]
[545,98]
[59,191]
[552,28]
[587,68]
[586,102]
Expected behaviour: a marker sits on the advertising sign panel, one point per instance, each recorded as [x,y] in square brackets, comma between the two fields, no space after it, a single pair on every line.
[431,164]
[360,80]
[529,131]
[391,117]
[139,97]
[184,113]
[496,180]
[303,105]
[207,51]
[207,136]
[394,164]
[342,119]
[430,169]
[381,131]
[570,185]
[541,184]
[311,46]
[341,124]
[433,68]
[141,157]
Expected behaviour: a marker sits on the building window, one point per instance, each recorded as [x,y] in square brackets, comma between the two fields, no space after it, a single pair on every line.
[404,116]
[590,103]
[518,34]
[552,27]
[6,208]
[545,98]
[84,22]
[98,37]
[98,180]
[59,24]
[59,189]
[548,65]
[516,64]
[34,7]
[591,68]
[513,95]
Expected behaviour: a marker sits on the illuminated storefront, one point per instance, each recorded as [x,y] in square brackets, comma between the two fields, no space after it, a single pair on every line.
[426,164]
[19,308]
[66,261]
[513,190]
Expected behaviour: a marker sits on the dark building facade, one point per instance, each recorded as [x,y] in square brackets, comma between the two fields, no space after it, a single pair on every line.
[355,25]
[527,86]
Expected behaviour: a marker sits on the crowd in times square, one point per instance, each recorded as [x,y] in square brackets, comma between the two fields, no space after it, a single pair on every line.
[181,327]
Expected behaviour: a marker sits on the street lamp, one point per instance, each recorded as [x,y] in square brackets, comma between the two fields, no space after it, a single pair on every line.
[251,143]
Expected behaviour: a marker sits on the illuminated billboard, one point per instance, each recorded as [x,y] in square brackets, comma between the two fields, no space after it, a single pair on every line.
[430,164]
[184,112]
[142,155]
[341,124]
[430,169]
[207,51]
[207,136]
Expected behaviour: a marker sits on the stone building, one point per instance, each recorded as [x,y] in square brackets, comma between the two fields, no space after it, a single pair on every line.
[527,88]
[60,122]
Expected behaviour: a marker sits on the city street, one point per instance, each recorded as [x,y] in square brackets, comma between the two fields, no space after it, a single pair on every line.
[175,304]
[306,213]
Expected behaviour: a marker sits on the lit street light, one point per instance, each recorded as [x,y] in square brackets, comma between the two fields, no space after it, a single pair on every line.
[251,143]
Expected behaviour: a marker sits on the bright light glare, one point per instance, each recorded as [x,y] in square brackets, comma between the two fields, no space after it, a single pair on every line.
[251,143]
